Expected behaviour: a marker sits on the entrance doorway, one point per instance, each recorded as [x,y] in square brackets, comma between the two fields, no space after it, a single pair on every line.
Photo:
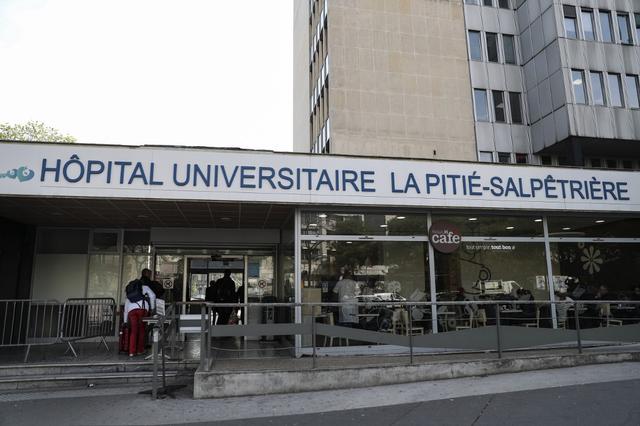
[252,273]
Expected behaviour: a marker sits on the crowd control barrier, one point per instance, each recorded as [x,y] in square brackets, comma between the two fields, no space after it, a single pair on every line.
[27,322]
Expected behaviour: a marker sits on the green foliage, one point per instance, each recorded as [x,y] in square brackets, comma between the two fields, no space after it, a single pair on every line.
[32,131]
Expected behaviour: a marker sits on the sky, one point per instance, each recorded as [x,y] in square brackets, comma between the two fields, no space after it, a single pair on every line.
[170,72]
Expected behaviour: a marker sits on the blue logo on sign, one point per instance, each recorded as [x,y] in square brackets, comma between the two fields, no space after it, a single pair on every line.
[23,174]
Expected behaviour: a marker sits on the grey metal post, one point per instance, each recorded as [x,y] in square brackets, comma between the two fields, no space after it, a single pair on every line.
[209,314]
[578,329]
[498,331]
[313,334]
[154,346]
[203,343]
[410,330]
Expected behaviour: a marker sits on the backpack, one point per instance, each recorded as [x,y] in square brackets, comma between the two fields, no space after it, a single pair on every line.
[134,291]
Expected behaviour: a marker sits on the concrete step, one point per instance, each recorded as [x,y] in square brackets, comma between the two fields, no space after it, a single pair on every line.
[46,381]
[61,369]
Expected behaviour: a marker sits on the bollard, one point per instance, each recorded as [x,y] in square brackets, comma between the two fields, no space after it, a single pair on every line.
[499,343]
[203,343]
[410,330]
[578,330]
[313,335]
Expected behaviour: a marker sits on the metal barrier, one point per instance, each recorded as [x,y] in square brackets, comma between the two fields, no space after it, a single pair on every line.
[471,326]
[44,322]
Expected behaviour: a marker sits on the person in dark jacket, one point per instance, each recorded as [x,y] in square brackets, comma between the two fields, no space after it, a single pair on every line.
[226,293]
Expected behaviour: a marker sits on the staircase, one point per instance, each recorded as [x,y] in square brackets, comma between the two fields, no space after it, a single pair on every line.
[66,375]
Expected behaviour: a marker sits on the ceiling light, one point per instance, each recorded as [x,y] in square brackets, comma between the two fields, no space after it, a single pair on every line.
[313,225]
[383,226]
[401,217]
[142,216]
[322,215]
[225,219]
[566,228]
[473,219]
[538,220]
[509,227]
[349,242]
[600,221]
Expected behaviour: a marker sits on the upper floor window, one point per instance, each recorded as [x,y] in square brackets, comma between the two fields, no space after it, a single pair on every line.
[521,158]
[637,16]
[509,46]
[492,47]
[633,97]
[475,45]
[475,2]
[504,4]
[605,25]
[624,28]
[498,106]
[577,81]
[487,2]
[586,19]
[481,104]
[597,88]
[515,102]
[504,157]
[570,21]
[485,157]
[615,90]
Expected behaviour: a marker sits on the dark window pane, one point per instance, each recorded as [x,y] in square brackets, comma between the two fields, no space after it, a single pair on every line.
[546,160]
[521,158]
[612,164]
[595,226]
[487,2]
[508,42]
[475,45]
[486,157]
[492,47]
[65,241]
[504,4]
[627,164]
[563,161]
[516,107]
[504,157]
[596,162]
[570,27]
[498,106]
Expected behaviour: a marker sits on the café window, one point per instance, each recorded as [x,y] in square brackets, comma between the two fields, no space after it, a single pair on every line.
[594,226]
[493,225]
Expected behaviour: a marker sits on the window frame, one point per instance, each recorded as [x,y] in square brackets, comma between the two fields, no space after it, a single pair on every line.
[497,46]
[486,102]
[520,108]
[495,106]
[481,49]
[583,12]
[634,78]
[624,16]
[603,90]
[513,45]
[582,85]
[569,13]
[611,32]
[620,89]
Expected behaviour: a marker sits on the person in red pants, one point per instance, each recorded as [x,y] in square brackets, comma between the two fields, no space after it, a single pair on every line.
[140,300]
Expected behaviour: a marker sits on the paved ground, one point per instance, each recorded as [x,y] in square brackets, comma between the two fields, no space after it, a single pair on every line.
[587,395]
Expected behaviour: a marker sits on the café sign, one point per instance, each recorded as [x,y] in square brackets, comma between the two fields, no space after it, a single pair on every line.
[444,237]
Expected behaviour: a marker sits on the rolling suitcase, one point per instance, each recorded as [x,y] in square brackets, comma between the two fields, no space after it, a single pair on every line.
[124,337]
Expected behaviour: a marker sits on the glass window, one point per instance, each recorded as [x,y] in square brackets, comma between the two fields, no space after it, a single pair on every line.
[627,164]
[611,163]
[508,43]
[631,81]
[586,18]
[480,103]
[521,158]
[494,225]
[494,271]
[595,162]
[594,226]
[492,47]
[487,2]
[605,25]
[615,90]
[605,271]
[475,2]
[624,28]
[485,157]
[597,88]
[577,81]
[498,106]
[637,18]
[103,275]
[515,103]
[104,241]
[333,223]
[504,4]
[545,160]
[570,27]
[504,157]
[475,45]
[360,271]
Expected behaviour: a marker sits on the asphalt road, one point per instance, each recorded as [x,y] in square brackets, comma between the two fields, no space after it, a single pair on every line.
[607,394]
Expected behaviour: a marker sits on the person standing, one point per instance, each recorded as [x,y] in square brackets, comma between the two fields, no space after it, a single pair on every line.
[211,296]
[226,293]
[347,290]
[139,302]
